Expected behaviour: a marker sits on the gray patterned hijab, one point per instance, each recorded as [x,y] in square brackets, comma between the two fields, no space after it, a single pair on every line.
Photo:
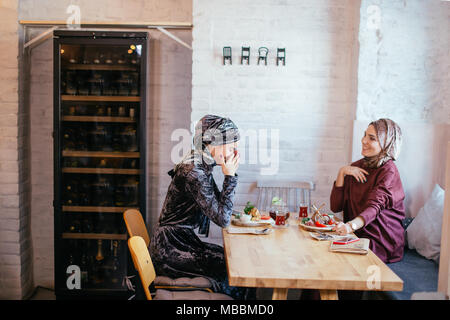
[215,130]
[389,136]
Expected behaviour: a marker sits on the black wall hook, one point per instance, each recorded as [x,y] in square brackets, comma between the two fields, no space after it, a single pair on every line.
[245,55]
[281,56]
[227,55]
[262,54]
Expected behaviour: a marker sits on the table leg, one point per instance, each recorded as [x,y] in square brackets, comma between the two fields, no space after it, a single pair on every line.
[279,293]
[328,294]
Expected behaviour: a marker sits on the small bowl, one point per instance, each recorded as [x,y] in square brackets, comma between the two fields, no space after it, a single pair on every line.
[245,217]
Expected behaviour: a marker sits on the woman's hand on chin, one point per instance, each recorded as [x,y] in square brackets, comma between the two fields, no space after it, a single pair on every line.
[230,165]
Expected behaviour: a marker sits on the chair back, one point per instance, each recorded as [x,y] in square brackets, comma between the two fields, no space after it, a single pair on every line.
[136,225]
[292,193]
[142,262]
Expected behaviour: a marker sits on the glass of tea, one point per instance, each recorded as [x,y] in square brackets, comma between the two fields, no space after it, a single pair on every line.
[280,219]
[303,211]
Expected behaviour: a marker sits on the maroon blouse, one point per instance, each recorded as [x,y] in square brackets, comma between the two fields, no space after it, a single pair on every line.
[380,202]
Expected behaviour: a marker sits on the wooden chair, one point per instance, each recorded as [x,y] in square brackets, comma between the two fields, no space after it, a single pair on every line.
[136,227]
[143,263]
[292,193]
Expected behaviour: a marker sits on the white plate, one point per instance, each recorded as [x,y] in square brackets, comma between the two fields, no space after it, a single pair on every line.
[239,222]
[311,228]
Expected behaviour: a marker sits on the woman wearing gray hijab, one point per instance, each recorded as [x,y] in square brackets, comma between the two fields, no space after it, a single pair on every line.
[370,192]
[193,199]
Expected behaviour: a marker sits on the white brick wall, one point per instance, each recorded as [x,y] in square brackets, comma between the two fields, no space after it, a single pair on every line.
[15,243]
[311,101]
[404,64]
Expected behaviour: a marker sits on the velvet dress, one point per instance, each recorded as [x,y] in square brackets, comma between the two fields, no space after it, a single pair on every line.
[380,201]
[192,199]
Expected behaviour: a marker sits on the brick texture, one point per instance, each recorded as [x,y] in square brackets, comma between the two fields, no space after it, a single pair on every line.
[16,279]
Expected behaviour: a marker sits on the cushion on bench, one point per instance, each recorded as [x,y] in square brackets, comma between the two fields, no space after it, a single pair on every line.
[418,275]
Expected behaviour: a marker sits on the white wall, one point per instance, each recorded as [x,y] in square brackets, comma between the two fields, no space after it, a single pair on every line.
[311,100]
[404,64]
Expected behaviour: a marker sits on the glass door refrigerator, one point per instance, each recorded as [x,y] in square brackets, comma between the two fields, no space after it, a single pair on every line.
[100,82]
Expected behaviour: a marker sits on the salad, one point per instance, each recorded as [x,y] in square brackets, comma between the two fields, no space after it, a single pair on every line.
[319,219]
[251,213]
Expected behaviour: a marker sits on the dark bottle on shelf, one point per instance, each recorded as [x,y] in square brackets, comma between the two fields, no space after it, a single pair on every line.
[83,86]
[84,192]
[131,163]
[87,225]
[116,141]
[100,110]
[70,162]
[69,110]
[108,87]
[75,226]
[99,139]
[124,83]
[97,57]
[86,58]
[72,253]
[134,84]
[98,266]
[131,189]
[70,193]
[115,264]
[86,262]
[82,141]
[120,197]
[99,226]
[72,57]
[129,139]
[122,59]
[81,110]
[84,268]
[69,139]
[103,163]
[102,192]
[108,58]
[96,84]
[71,83]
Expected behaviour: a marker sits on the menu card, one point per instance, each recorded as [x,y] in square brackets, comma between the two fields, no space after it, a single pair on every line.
[359,247]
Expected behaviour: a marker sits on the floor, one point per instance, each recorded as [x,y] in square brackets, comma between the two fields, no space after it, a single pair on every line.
[42,293]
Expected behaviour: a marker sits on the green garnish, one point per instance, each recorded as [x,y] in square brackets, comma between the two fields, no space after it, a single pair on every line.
[248,207]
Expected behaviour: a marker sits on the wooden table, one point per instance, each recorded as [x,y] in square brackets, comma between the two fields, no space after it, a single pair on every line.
[290,258]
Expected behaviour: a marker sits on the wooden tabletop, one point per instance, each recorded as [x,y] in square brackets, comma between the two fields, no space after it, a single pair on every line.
[290,258]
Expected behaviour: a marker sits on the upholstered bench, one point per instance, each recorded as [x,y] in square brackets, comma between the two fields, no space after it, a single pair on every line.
[418,274]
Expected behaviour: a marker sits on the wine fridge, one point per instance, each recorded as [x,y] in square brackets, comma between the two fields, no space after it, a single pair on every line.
[100,81]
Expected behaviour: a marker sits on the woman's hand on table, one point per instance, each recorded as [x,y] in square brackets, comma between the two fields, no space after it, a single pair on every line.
[342,229]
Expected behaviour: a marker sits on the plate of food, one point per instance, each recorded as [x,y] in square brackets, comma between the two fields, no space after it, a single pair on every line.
[319,221]
[250,217]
